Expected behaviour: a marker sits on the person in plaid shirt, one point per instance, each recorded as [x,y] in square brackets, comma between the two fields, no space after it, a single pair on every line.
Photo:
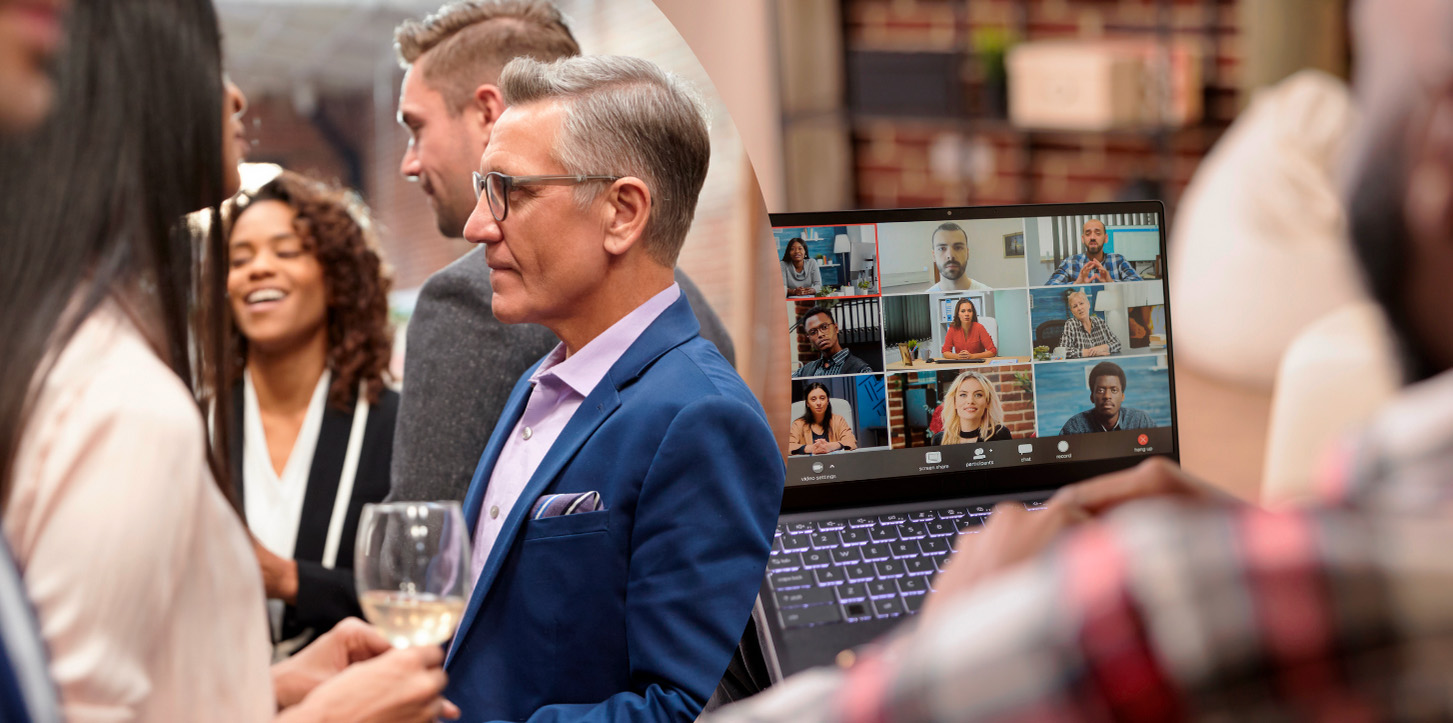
[1148,596]
[1094,266]
[1086,334]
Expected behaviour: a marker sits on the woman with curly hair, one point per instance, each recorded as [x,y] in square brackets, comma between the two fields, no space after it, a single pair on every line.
[313,419]
[972,412]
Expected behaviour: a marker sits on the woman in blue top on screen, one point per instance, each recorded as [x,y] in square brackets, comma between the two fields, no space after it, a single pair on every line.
[799,271]
[1086,334]
[972,412]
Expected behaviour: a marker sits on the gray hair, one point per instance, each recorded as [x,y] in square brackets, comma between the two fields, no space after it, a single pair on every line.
[626,117]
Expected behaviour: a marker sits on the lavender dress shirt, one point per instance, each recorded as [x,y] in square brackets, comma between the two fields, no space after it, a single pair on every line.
[559,386]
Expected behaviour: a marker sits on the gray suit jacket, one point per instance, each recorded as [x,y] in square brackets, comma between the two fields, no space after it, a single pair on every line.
[459,366]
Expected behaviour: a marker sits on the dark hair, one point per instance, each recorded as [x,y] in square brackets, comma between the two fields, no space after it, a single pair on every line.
[93,203]
[338,231]
[1107,369]
[814,311]
[954,322]
[950,226]
[788,247]
[807,410]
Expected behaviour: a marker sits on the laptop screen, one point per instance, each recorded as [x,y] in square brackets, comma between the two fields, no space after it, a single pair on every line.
[936,342]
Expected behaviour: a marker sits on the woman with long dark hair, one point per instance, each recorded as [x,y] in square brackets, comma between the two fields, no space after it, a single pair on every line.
[135,559]
[818,430]
[310,348]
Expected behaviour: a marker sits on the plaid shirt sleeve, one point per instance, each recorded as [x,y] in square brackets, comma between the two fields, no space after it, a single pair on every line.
[1066,272]
[1167,612]
[1123,270]
[1075,339]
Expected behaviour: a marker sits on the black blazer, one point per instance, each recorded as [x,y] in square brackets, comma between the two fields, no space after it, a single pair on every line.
[327,596]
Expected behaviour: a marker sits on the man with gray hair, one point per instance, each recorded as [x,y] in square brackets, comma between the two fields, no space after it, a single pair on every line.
[460,360]
[624,506]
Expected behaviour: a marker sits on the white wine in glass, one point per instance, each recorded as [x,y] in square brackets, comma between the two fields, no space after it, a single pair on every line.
[412,569]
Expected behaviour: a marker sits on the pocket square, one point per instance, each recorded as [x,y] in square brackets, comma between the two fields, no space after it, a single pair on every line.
[565,504]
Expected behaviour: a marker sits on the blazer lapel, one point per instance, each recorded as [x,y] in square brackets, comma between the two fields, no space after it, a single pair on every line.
[323,484]
[674,327]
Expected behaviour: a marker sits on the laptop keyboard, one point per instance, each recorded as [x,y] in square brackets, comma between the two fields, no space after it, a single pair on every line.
[854,569]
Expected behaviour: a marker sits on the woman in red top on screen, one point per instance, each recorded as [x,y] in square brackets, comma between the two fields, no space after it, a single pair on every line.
[965,337]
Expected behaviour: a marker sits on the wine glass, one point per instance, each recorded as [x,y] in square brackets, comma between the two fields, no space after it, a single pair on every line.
[411,563]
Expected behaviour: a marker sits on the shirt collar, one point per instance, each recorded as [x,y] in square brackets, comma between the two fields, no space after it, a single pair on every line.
[584,369]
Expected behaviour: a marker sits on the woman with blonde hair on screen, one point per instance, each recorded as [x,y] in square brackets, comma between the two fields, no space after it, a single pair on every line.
[972,412]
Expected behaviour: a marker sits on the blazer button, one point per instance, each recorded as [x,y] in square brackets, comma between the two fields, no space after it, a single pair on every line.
[527,433]
[494,512]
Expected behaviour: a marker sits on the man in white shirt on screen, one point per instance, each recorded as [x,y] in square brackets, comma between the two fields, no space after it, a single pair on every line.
[951,255]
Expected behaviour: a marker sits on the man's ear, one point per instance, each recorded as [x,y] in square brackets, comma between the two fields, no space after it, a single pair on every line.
[487,106]
[627,209]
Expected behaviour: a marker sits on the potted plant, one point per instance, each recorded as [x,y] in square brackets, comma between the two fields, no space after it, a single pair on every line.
[1041,353]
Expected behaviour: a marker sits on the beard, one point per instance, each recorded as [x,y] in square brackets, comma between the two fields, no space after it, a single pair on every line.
[1377,227]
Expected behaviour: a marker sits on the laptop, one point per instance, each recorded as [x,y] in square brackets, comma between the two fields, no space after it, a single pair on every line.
[986,361]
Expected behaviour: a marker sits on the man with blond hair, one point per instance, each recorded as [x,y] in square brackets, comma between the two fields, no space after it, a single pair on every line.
[460,360]
[624,506]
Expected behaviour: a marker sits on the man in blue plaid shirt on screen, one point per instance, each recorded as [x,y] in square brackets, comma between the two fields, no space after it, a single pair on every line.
[1094,266]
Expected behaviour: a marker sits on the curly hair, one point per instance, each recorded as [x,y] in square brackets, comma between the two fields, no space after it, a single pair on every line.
[337,229]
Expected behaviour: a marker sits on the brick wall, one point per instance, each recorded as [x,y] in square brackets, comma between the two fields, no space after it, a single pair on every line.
[984,160]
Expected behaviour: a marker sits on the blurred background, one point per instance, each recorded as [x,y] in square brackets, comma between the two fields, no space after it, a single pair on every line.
[1232,112]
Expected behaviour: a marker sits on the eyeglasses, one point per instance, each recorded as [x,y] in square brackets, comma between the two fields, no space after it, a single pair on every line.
[819,330]
[497,186]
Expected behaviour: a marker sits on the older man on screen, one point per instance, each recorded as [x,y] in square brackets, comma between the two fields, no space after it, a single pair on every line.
[623,509]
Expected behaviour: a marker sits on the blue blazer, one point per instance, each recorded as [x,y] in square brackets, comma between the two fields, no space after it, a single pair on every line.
[629,613]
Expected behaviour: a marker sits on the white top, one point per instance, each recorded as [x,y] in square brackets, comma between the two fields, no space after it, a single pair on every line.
[274,503]
[142,576]
[974,285]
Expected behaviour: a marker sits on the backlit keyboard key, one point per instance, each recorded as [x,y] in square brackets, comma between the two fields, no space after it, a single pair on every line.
[913,585]
[934,546]
[831,525]
[904,549]
[796,543]
[942,528]
[784,563]
[952,513]
[920,566]
[852,592]
[847,556]
[830,576]
[924,516]
[808,616]
[790,580]
[826,540]
[889,568]
[882,588]
[804,597]
[876,552]
[912,531]
[797,528]
[816,558]
[892,519]
[883,534]
[859,573]
[914,603]
[854,537]
[862,522]
[888,607]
